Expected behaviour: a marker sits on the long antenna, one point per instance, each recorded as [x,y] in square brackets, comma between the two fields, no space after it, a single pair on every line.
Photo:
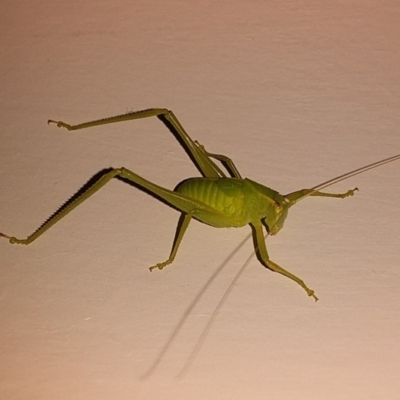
[355,172]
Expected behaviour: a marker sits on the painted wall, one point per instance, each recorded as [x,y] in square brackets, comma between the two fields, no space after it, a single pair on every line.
[296,93]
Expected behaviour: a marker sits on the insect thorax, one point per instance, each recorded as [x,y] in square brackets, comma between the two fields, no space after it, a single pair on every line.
[273,206]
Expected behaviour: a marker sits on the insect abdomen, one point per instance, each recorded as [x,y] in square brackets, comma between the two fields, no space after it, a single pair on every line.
[225,196]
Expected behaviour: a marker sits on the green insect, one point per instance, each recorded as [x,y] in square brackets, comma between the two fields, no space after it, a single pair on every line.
[215,199]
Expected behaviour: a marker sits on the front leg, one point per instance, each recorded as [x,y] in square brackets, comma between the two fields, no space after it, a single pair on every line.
[301,194]
[261,249]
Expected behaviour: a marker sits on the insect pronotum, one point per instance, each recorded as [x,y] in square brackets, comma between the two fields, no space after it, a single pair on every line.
[216,199]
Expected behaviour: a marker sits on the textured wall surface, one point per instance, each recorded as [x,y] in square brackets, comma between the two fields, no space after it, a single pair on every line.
[296,93]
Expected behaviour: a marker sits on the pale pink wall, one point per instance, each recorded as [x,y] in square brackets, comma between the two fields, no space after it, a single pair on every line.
[295,93]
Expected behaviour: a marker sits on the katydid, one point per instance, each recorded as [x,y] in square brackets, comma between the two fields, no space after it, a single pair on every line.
[215,199]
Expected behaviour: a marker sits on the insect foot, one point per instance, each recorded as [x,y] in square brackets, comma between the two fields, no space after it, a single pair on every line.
[311,294]
[160,265]
[350,192]
[60,124]
[12,239]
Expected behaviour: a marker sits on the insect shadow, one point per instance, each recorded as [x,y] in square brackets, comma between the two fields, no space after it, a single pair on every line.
[188,311]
